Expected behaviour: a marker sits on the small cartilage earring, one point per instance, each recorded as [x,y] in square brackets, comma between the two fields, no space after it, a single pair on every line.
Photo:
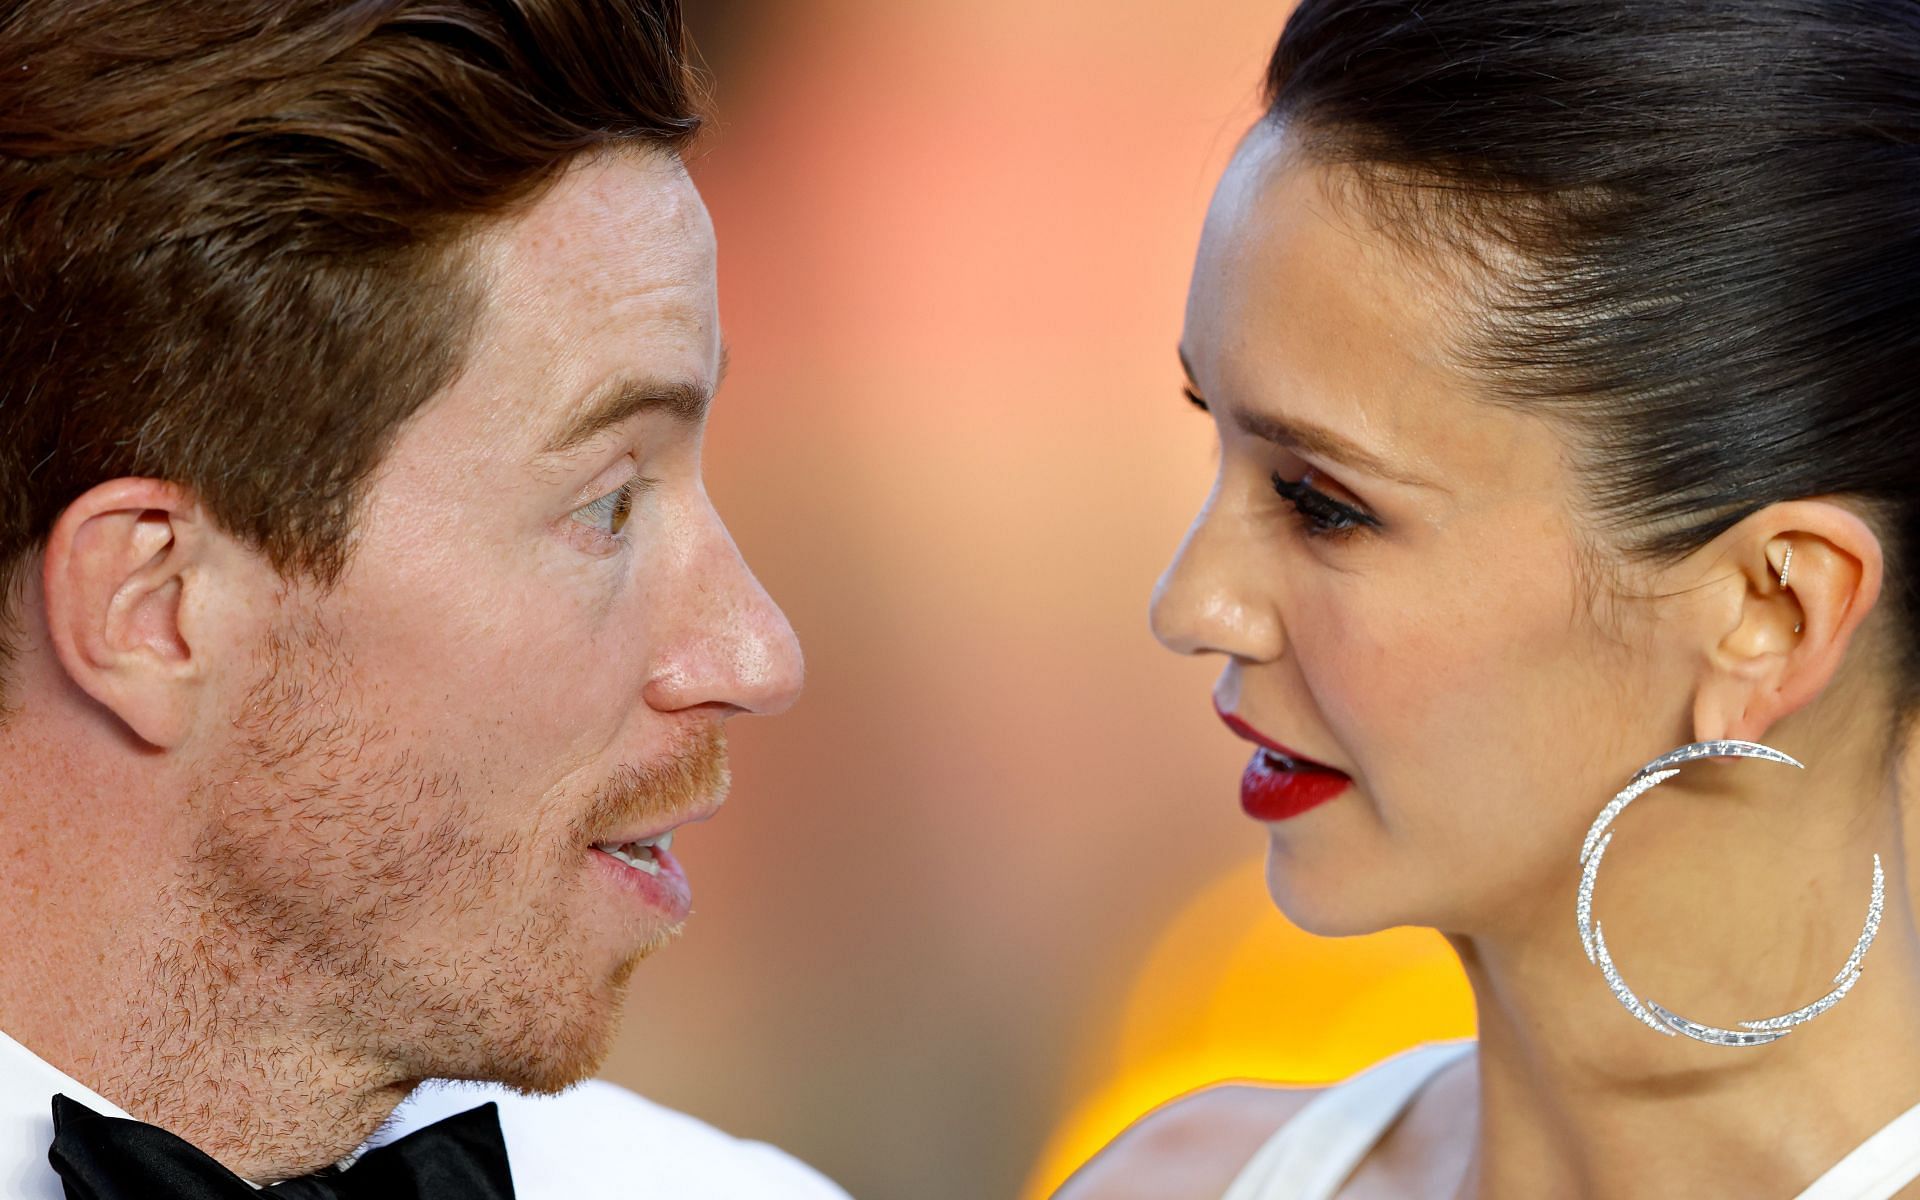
[1786,565]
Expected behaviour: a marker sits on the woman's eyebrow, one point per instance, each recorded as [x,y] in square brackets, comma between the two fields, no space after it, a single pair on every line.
[1320,441]
[1313,439]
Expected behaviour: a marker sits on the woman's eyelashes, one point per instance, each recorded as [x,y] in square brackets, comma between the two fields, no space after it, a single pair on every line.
[1324,516]
[610,513]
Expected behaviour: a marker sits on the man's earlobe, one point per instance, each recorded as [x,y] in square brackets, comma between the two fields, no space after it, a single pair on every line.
[115,577]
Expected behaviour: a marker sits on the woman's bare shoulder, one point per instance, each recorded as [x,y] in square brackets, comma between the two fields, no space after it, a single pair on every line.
[1190,1149]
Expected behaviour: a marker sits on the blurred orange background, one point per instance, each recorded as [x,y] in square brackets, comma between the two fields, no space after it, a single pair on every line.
[986,894]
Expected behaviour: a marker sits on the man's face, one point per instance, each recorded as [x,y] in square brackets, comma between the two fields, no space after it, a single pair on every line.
[542,629]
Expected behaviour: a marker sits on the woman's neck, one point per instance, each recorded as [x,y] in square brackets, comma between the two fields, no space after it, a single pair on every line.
[1578,1099]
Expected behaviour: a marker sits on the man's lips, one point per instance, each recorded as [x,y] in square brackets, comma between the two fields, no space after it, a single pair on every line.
[660,884]
[644,865]
[1280,782]
[660,828]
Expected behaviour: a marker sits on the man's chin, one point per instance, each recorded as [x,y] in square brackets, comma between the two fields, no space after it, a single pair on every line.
[573,1054]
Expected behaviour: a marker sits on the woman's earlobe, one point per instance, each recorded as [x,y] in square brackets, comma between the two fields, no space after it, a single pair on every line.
[1807,597]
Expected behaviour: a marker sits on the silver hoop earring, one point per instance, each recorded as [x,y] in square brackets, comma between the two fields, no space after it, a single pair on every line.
[1662,1020]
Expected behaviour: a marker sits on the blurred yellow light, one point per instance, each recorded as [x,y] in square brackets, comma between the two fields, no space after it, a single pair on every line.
[1233,991]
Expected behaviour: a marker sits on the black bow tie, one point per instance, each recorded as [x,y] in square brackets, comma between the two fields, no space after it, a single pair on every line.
[108,1158]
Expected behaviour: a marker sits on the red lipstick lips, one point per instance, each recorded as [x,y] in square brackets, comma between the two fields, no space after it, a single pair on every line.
[1279,783]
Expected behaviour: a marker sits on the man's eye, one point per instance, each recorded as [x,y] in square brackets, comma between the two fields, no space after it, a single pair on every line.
[610,513]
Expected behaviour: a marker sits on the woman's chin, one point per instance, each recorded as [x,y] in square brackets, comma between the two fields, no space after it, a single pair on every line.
[1333,907]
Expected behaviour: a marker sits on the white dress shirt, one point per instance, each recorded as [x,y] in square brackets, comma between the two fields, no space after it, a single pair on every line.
[596,1142]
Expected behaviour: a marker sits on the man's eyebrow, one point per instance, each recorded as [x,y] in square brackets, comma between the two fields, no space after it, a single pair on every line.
[685,402]
[1313,439]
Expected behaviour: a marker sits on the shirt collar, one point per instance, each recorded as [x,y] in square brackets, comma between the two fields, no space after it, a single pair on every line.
[27,1087]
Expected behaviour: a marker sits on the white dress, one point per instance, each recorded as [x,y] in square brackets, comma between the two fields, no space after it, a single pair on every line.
[1313,1155]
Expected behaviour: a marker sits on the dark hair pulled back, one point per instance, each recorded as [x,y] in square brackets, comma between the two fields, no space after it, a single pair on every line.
[1716,205]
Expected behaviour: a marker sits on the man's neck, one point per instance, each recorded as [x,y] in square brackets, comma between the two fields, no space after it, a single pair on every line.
[256,1110]
[188,1025]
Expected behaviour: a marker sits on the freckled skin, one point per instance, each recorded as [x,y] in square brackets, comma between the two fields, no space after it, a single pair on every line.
[1490,666]
[366,859]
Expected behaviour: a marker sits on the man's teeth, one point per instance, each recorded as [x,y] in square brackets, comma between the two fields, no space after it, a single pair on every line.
[640,854]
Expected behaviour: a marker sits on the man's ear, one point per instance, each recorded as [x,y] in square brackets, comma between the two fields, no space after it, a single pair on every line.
[116,577]
[1781,646]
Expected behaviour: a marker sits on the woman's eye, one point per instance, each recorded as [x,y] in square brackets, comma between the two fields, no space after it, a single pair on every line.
[610,513]
[1323,514]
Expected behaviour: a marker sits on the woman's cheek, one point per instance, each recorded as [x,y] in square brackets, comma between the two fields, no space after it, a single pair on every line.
[1382,675]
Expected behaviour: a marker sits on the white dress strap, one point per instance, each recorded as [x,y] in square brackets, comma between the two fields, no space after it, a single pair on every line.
[1878,1167]
[1315,1152]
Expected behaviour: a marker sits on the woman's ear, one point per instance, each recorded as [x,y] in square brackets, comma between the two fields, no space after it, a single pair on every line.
[1804,576]
[119,568]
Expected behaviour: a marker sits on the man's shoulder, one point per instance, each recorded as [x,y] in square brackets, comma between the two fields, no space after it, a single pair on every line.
[599,1139]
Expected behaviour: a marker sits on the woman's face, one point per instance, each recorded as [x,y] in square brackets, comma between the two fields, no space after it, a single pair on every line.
[1396,574]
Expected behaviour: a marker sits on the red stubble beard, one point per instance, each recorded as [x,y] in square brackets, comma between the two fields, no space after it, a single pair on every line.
[336,885]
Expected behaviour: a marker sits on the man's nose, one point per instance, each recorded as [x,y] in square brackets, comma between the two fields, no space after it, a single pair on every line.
[733,645]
